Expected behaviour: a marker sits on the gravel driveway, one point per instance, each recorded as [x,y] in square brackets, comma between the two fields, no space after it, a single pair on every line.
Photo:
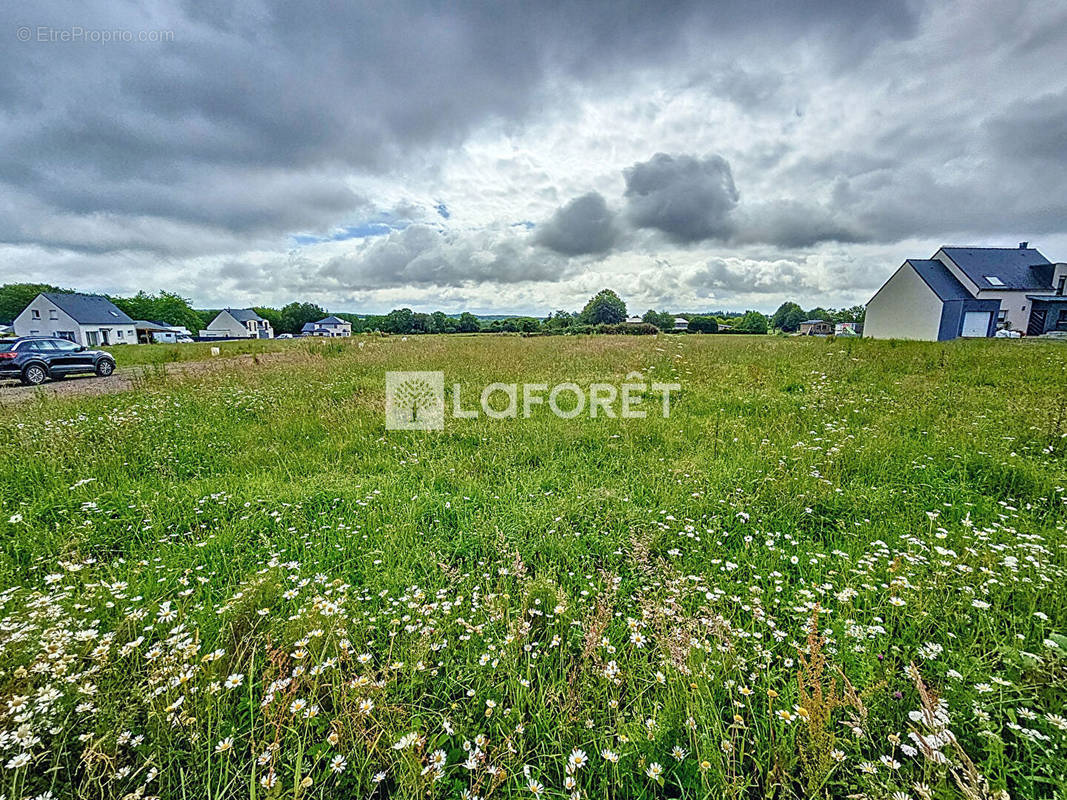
[125,378]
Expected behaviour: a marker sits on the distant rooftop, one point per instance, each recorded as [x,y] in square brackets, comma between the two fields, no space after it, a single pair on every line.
[244,314]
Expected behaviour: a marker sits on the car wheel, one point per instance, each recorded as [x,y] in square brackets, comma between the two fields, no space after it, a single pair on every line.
[34,375]
[105,367]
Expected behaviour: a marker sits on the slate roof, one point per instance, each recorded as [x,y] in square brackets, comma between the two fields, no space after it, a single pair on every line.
[1018,268]
[89,309]
[243,314]
[309,327]
[814,321]
[330,320]
[149,325]
[937,277]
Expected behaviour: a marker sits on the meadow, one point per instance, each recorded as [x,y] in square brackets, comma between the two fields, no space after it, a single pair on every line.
[154,354]
[837,569]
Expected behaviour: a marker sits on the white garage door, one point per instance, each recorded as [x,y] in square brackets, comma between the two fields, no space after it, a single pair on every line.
[976,323]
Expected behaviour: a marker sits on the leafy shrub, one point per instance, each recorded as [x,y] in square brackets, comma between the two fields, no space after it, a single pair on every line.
[632,329]
[704,325]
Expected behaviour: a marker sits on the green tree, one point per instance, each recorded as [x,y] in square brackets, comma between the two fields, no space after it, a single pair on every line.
[468,323]
[295,315]
[784,313]
[661,319]
[374,322]
[14,297]
[792,320]
[206,315]
[605,307]
[820,313]
[273,316]
[560,320]
[516,325]
[752,322]
[400,320]
[702,324]
[850,314]
[442,323]
[421,323]
[167,307]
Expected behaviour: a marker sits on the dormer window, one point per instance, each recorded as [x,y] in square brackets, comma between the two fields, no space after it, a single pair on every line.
[993,280]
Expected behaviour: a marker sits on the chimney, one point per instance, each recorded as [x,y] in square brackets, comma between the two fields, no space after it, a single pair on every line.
[1022,245]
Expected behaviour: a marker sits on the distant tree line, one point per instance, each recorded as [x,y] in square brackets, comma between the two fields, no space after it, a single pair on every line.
[604,313]
[789,315]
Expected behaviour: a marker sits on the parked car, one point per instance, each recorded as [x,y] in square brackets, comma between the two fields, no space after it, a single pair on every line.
[285,336]
[35,359]
[184,340]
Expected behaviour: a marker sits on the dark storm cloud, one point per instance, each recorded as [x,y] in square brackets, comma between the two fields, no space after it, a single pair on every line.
[694,200]
[792,224]
[1033,130]
[583,226]
[689,199]
[174,130]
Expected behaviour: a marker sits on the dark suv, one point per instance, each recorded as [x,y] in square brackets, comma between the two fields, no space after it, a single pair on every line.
[34,359]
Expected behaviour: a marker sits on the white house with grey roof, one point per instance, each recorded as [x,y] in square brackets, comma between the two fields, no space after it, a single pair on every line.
[238,323]
[88,319]
[970,292]
[327,326]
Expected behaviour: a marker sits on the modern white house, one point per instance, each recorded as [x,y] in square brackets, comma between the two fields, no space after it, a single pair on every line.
[88,319]
[328,326]
[681,324]
[238,323]
[970,292]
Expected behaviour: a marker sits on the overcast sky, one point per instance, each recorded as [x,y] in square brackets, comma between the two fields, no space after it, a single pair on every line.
[517,157]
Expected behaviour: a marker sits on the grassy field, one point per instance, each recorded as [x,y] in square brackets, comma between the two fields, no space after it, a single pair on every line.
[128,356]
[836,569]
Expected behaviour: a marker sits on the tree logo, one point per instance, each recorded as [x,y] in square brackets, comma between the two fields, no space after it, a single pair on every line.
[414,401]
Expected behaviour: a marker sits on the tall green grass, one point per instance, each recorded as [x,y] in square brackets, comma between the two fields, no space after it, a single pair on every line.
[726,602]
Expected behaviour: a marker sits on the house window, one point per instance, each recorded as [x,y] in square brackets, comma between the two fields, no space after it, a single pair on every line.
[53,314]
[994,280]
[119,334]
[1060,284]
[1061,323]
[1002,316]
[35,314]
